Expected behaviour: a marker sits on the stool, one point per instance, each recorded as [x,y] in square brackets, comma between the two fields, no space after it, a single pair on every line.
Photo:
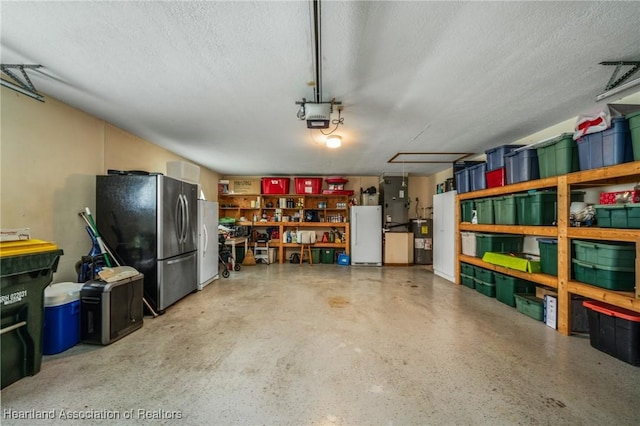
[261,252]
[308,247]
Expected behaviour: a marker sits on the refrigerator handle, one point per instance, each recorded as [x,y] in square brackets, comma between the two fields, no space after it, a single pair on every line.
[187,222]
[355,221]
[206,239]
[182,229]
[179,218]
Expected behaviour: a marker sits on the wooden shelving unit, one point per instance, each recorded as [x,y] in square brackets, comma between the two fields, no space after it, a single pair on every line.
[620,174]
[335,207]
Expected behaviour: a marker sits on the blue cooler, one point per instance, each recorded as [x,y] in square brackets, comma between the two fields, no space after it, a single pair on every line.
[61,328]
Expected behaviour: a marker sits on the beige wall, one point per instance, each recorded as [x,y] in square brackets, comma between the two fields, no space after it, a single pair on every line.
[50,154]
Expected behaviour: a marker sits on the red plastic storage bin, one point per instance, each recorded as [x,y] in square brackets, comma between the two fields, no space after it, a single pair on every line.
[308,185]
[496,178]
[275,185]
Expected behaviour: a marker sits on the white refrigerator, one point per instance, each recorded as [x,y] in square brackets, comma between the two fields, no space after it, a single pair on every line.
[207,242]
[366,235]
[444,235]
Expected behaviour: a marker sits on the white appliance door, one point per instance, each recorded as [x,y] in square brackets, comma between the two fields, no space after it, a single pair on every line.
[207,242]
[366,235]
[444,238]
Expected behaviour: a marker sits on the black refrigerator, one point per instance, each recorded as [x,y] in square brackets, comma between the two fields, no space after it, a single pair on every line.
[150,222]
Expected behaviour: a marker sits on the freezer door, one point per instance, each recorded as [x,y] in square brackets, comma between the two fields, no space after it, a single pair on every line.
[177,277]
[171,218]
[366,235]
[207,242]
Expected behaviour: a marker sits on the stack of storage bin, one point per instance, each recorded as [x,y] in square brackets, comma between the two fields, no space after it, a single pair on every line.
[461,174]
[507,287]
[485,282]
[606,265]
[625,216]
[467,275]
[608,147]
[496,172]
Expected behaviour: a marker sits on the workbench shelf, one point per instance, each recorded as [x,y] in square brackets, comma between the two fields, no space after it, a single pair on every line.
[627,173]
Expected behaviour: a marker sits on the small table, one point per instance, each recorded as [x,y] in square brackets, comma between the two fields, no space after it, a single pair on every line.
[235,241]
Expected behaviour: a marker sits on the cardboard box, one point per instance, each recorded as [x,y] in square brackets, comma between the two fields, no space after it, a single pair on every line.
[15,234]
[551,311]
[244,186]
[541,292]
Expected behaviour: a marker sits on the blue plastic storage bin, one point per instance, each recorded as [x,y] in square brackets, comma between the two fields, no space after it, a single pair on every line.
[607,148]
[462,181]
[61,325]
[521,166]
[477,179]
[495,156]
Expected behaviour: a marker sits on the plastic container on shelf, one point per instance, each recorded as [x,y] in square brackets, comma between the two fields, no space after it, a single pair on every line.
[308,185]
[609,277]
[462,181]
[507,286]
[634,132]
[468,243]
[625,216]
[467,280]
[467,269]
[499,243]
[530,305]
[521,166]
[486,275]
[275,185]
[488,289]
[606,148]
[605,254]
[630,196]
[495,178]
[548,255]
[495,156]
[540,208]
[485,211]
[614,331]
[477,180]
[504,210]
[466,210]
[558,156]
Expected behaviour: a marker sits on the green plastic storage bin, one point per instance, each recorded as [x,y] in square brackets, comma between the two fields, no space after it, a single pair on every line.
[634,128]
[619,255]
[530,305]
[609,277]
[507,286]
[625,216]
[485,275]
[504,210]
[558,156]
[468,281]
[539,208]
[499,243]
[328,255]
[240,254]
[548,255]
[316,255]
[466,210]
[488,289]
[484,211]
[467,269]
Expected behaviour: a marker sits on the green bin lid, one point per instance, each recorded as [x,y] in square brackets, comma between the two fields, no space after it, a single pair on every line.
[633,114]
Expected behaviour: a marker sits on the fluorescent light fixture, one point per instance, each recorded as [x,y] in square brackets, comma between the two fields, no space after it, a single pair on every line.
[22,90]
[621,88]
[334,141]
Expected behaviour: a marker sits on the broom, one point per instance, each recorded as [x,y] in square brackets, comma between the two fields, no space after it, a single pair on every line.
[249,260]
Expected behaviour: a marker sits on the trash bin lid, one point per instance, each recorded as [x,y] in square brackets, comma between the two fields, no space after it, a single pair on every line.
[61,293]
[21,247]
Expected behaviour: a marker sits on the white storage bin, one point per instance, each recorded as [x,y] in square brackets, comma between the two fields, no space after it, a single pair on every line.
[468,243]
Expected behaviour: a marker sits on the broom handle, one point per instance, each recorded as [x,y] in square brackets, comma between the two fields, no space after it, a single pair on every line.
[87,216]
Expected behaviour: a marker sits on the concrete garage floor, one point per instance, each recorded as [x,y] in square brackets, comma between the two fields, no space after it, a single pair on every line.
[331,345]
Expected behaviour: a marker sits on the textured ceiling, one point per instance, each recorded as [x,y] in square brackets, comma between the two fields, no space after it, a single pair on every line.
[216,82]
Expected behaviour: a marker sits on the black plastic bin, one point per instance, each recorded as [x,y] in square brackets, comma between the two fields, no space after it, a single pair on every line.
[26,268]
[615,331]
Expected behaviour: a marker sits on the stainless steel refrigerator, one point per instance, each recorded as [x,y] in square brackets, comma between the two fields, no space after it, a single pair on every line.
[366,235]
[207,242]
[150,222]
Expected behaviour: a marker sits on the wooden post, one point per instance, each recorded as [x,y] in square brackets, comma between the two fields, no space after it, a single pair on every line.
[564,257]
